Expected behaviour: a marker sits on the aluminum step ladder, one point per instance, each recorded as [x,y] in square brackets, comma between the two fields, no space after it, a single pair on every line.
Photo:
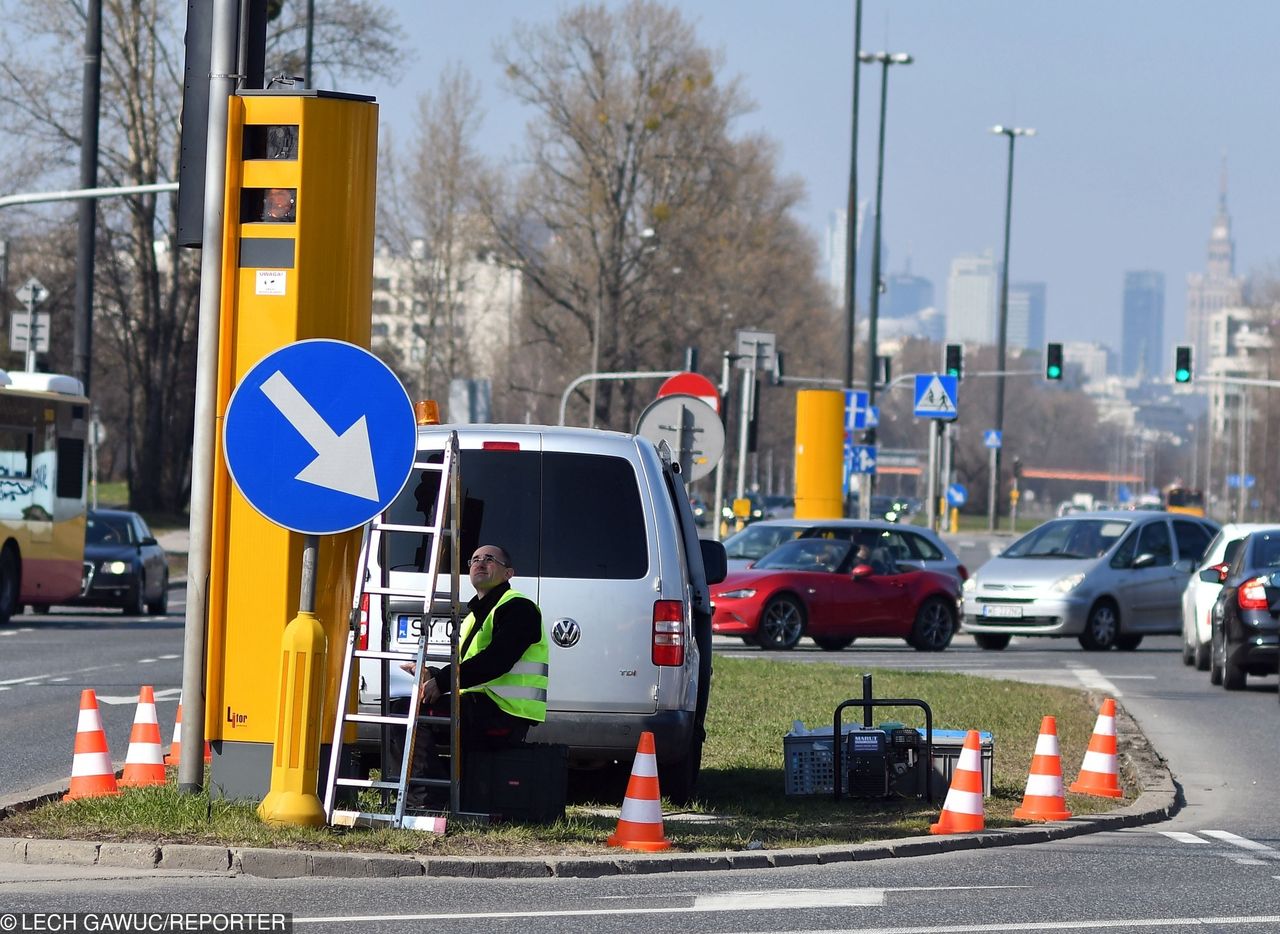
[443,528]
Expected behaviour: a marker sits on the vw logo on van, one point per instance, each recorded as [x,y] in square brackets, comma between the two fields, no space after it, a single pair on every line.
[566,633]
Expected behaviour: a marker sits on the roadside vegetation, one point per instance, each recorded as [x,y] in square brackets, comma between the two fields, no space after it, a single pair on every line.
[741,801]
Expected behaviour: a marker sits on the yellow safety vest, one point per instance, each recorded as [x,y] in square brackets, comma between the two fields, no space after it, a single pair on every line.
[522,691]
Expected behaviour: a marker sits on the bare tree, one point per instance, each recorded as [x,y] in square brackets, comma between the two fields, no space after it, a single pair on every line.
[147,287]
[427,218]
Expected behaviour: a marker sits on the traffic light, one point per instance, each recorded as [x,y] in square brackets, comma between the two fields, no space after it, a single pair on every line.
[1053,361]
[953,361]
[1182,364]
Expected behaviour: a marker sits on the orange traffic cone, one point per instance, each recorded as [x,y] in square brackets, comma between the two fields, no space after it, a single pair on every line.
[144,765]
[1098,773]
[640,825]
[91,772]
[962,810]
[1044,799]
[174,758]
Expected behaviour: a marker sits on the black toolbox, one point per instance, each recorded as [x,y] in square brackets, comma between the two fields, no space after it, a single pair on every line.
[519,783]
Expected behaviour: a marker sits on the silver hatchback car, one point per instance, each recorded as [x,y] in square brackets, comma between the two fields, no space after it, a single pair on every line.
[1108,578]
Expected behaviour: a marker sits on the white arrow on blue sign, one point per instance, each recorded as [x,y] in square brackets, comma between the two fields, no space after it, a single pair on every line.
[991,438]
[957,495]
[863,458]
[320,436]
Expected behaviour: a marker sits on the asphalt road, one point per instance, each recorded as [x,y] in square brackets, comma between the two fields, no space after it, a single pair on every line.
[1214,867]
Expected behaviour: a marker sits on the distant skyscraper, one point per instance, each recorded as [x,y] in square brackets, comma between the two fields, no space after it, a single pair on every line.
[1142,324]
[1025,325]
[973,299]
[906,294]
[834,252]
[1217,287]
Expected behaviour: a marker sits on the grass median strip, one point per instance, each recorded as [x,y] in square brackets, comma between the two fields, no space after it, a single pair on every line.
[741,802]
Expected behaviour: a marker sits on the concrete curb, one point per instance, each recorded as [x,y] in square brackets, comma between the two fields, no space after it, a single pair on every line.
[1161,798]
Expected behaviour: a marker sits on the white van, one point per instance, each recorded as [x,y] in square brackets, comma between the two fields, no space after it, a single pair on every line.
[602,537]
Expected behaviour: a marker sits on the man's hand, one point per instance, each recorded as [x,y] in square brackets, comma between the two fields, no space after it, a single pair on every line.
[430,691]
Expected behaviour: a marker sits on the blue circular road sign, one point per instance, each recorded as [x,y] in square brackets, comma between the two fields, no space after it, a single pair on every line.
[320,436]
[957,495]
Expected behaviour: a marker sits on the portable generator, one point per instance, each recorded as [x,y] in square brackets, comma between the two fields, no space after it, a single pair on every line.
[884,762]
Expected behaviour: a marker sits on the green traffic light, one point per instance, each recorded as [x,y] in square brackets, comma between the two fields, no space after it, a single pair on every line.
[1053,372]
[1182,376]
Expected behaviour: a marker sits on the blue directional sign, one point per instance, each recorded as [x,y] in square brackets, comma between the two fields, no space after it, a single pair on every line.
[873,416]
[957,495]
[1235,481]
[935,396]
[992,438]
[320,436]
[863,458]
[855,409]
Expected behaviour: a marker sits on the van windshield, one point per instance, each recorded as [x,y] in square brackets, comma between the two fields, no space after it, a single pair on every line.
[557,514]
[1069,538]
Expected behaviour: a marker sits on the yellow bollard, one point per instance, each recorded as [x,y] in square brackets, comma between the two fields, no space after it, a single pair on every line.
[955,520]
[295,764]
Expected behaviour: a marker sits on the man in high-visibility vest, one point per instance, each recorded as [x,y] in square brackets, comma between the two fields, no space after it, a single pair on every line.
[502,677]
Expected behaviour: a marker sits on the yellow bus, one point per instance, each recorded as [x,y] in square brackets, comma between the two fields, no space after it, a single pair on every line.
[1183,499]
[44,420]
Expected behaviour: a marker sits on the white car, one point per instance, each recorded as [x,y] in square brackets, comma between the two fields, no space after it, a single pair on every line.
[1199,595]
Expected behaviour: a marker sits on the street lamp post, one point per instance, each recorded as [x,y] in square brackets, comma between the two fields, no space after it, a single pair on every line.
[873,314]
[993,506]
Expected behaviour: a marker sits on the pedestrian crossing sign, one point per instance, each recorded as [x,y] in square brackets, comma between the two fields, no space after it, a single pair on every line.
[935,396]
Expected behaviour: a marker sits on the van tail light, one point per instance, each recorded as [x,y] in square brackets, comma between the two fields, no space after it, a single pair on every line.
[501,446]
[362,639]
[963,572]
[1252,594]
[668,633]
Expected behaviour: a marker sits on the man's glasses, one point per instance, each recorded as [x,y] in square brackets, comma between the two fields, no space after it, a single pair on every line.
[486,559]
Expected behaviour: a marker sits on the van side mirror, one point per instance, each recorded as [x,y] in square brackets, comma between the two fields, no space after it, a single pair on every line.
[714,561]
[1144,560]
[1213,575]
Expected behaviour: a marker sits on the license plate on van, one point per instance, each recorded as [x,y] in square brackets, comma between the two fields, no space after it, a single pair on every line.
[408,628]
[1002,612]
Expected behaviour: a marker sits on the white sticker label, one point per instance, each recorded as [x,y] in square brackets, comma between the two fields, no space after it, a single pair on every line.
[270,282]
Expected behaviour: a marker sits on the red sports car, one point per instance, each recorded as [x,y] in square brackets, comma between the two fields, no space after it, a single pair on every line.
[833,592]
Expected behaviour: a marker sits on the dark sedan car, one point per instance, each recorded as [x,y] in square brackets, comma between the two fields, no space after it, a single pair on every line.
[834,592]
[1245,636]
[124,565]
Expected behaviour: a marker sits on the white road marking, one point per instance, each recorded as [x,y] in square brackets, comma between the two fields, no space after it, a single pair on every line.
[117,699]
[1261,849]
[1094,680]
[1183,837]
[1126,923]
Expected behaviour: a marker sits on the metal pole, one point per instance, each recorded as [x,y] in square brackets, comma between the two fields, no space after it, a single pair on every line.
[873,314]
[744,427]
[932,512]
[595,362]
[31,333]
[222,61]
[87,210]
[311,29]
[718,503]
[851,214]
[1001,341]
[307,590]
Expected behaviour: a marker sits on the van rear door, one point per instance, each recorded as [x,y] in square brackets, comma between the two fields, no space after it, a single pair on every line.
[599,581]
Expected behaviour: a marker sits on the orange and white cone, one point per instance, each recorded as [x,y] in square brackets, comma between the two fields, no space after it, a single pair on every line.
[1098,773]
[640,825]
[174,758]
[92,774]
[962,810]
[1044,799]
[144,765]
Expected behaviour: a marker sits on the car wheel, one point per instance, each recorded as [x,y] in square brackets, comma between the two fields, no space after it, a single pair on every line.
[10,571]
[1102,627]
[137,602]
[832,644]
[994,641]
[781,624]
[679,779]
[1188,650]
[160,605]
[1232,674]
[1215,659]
[934,626]
[1128,641]
[1202,656]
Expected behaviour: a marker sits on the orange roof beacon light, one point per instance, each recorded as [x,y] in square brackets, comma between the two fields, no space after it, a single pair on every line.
[427,412]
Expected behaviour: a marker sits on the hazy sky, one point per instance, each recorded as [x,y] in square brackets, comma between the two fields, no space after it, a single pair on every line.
[1134,103]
